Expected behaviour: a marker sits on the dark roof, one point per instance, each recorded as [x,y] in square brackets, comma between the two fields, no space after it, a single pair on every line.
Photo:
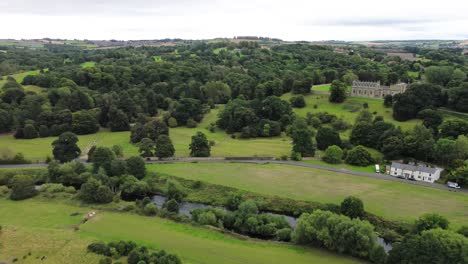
[413,168]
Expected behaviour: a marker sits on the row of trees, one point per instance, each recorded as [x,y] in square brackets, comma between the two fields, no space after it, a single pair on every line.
[245,219]
[134,253]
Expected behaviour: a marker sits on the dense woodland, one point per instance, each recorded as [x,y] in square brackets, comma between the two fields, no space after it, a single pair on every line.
[149,90]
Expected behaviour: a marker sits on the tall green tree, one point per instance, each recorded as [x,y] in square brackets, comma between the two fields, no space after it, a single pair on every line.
[302,138]
[359,156]
[337,92]
[419,143]
[65,147]
[164,147]
[84,122]
[136,167]
[327,137]
[352,207]
[22,187]
[102,158]
[146,147]
[199,147]
[118,120]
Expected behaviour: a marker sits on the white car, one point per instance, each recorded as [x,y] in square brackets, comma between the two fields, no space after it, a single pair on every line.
[453,185]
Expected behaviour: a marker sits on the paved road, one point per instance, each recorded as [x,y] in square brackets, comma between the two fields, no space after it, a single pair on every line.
[265,161]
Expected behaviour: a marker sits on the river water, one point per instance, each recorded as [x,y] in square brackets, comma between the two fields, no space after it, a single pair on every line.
[186,207]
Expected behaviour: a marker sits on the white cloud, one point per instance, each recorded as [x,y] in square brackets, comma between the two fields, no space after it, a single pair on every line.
[289,20]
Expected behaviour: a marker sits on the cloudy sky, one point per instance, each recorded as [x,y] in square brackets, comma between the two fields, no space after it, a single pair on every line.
[202,19]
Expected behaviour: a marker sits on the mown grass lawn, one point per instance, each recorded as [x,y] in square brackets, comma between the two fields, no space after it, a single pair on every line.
[44,228]
[392,200]
[88,64]
[321,87]
[369,169]
[348,110]
[37,149]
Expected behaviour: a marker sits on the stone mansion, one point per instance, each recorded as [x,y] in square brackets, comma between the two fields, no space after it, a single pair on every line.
[375,90]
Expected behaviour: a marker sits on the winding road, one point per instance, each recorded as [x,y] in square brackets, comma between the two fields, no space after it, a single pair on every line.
[271,161]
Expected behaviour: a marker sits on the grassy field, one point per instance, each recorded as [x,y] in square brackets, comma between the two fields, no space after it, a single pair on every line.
[88,64]
[157,58]
[348,110]
[37,149]
[18,76]
[324,87]
[45,229]
[392,200]
[321,87]
[370,168]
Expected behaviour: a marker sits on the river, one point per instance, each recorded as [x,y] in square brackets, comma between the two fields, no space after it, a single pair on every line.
[186,207]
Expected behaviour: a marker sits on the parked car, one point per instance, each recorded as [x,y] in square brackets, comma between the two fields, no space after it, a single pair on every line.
[453,185]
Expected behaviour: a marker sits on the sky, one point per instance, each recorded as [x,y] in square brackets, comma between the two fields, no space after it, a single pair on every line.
[350,20]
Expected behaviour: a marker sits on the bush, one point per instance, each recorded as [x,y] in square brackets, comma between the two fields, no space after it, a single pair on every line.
[150,209]
[136,167]
[352,207]
[378,255]
[462,231]
[22,187]
[191,123]
[29,131]
[359,156]
[172,122]
[297,101]
[43,131]
[207,218]
[336,232]
[4,191]
[99,248]
[431,221]
[284,234]
[234,200]
[333,154]
[57,188]
[171,206]
[94,192]
[296,156]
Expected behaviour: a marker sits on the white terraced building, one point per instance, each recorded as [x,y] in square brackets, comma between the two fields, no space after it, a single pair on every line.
[412,172]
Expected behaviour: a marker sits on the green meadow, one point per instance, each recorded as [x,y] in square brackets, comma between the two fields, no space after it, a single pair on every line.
[88,64]
[45,228]
[18,76]
[392,200]
[224,144]
[349,109]
[37,149]
[321,87]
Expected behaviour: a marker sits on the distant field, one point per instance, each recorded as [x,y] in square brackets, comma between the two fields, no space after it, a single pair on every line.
[321,87]
[45,229]
[392,200]
[324,87]
[18,76]
[350,109]
[413,74]
[88,64]
[37,149]
[157,58]
[22,44]
[218,50]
